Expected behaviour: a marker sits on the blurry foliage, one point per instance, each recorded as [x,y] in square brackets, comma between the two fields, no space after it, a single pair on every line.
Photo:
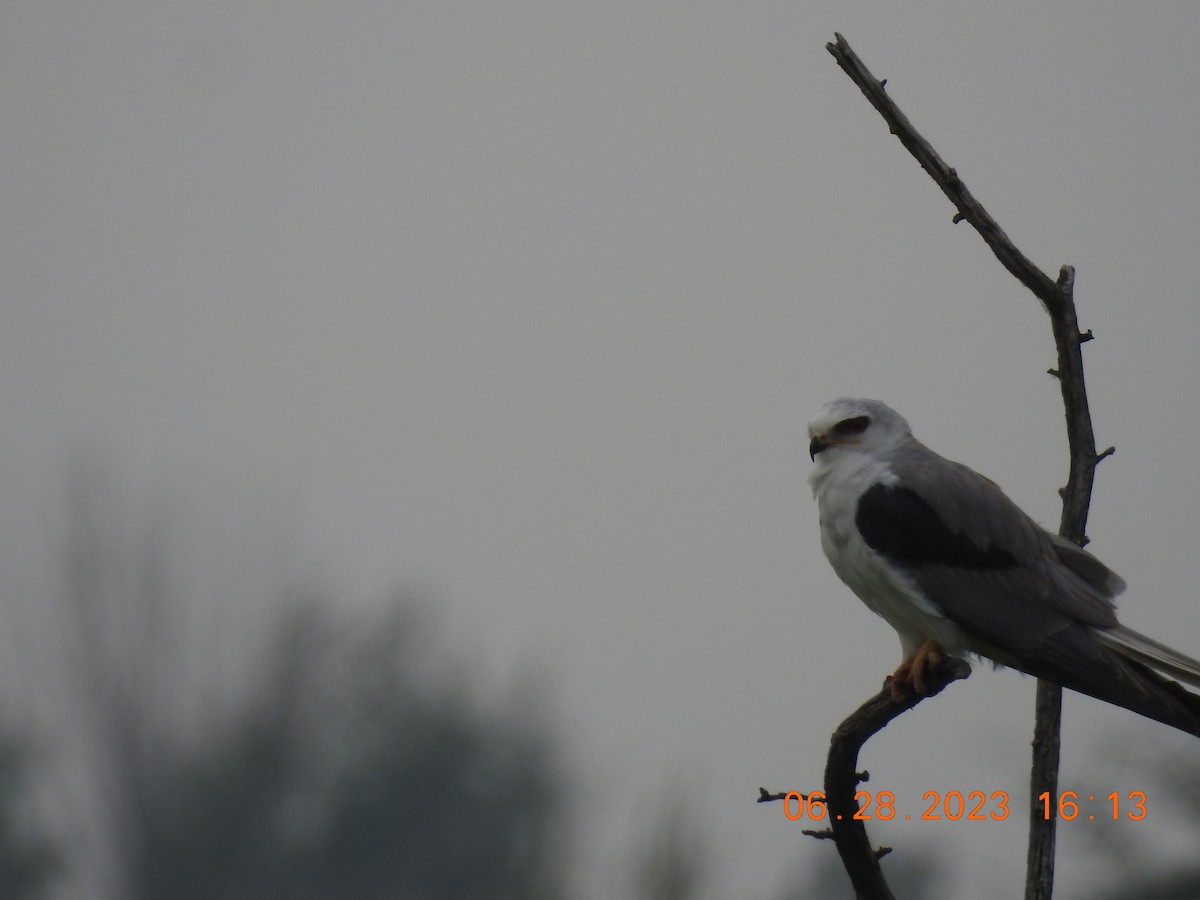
[28,863]
[913,873]
[350,765]
[1138,867]
[672,859]
[343,779]
[1157,885]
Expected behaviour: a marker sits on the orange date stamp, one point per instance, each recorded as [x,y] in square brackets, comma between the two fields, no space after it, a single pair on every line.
[968,806]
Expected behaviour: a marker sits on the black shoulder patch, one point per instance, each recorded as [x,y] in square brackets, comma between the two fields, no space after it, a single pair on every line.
[898,524]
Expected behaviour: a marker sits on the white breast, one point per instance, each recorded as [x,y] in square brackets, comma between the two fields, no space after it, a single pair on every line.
[884,588]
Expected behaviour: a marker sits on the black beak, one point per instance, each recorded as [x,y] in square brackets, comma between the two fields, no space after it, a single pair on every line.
[816,445]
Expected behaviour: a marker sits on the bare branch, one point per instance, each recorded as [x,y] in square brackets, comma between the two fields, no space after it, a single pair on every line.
[1057,296]
[1043,776]
[969,209]
[765,796]
[842,777]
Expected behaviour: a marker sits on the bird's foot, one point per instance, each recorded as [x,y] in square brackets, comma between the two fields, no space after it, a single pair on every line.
[909,676]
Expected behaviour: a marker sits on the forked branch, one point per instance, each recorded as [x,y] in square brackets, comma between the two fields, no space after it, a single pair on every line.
[1057,296]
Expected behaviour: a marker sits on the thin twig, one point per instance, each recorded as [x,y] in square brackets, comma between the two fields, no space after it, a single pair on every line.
[969,209]
[1057,296]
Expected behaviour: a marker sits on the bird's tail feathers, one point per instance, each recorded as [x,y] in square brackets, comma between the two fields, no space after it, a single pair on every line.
[1152,654]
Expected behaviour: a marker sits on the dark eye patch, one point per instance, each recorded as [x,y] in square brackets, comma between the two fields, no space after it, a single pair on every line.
[857,425]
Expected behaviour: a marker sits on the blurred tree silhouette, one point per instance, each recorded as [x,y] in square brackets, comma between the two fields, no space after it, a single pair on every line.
[348,768]
[672,856]
[27,862]
[914,874]
[342,779]
[1134,866]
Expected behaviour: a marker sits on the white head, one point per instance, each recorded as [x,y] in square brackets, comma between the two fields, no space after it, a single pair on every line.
[867,426]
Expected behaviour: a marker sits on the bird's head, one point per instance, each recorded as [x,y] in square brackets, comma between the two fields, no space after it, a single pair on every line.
[865,425]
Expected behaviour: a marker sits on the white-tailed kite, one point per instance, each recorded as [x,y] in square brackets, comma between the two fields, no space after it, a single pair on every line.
[956,567]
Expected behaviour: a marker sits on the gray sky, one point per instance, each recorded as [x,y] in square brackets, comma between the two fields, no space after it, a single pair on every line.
[530,302]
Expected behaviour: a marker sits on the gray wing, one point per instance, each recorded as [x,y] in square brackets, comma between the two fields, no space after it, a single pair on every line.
[1024,597]
[975,553]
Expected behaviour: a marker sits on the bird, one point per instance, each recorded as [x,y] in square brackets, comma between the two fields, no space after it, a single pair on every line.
[958,569]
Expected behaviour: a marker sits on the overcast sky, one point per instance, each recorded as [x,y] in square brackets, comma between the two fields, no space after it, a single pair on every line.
[528,304]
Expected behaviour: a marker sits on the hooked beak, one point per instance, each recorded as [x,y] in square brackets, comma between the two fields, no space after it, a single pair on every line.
[816,445]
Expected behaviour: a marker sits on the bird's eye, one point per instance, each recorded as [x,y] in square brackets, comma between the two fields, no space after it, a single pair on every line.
[857,425]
